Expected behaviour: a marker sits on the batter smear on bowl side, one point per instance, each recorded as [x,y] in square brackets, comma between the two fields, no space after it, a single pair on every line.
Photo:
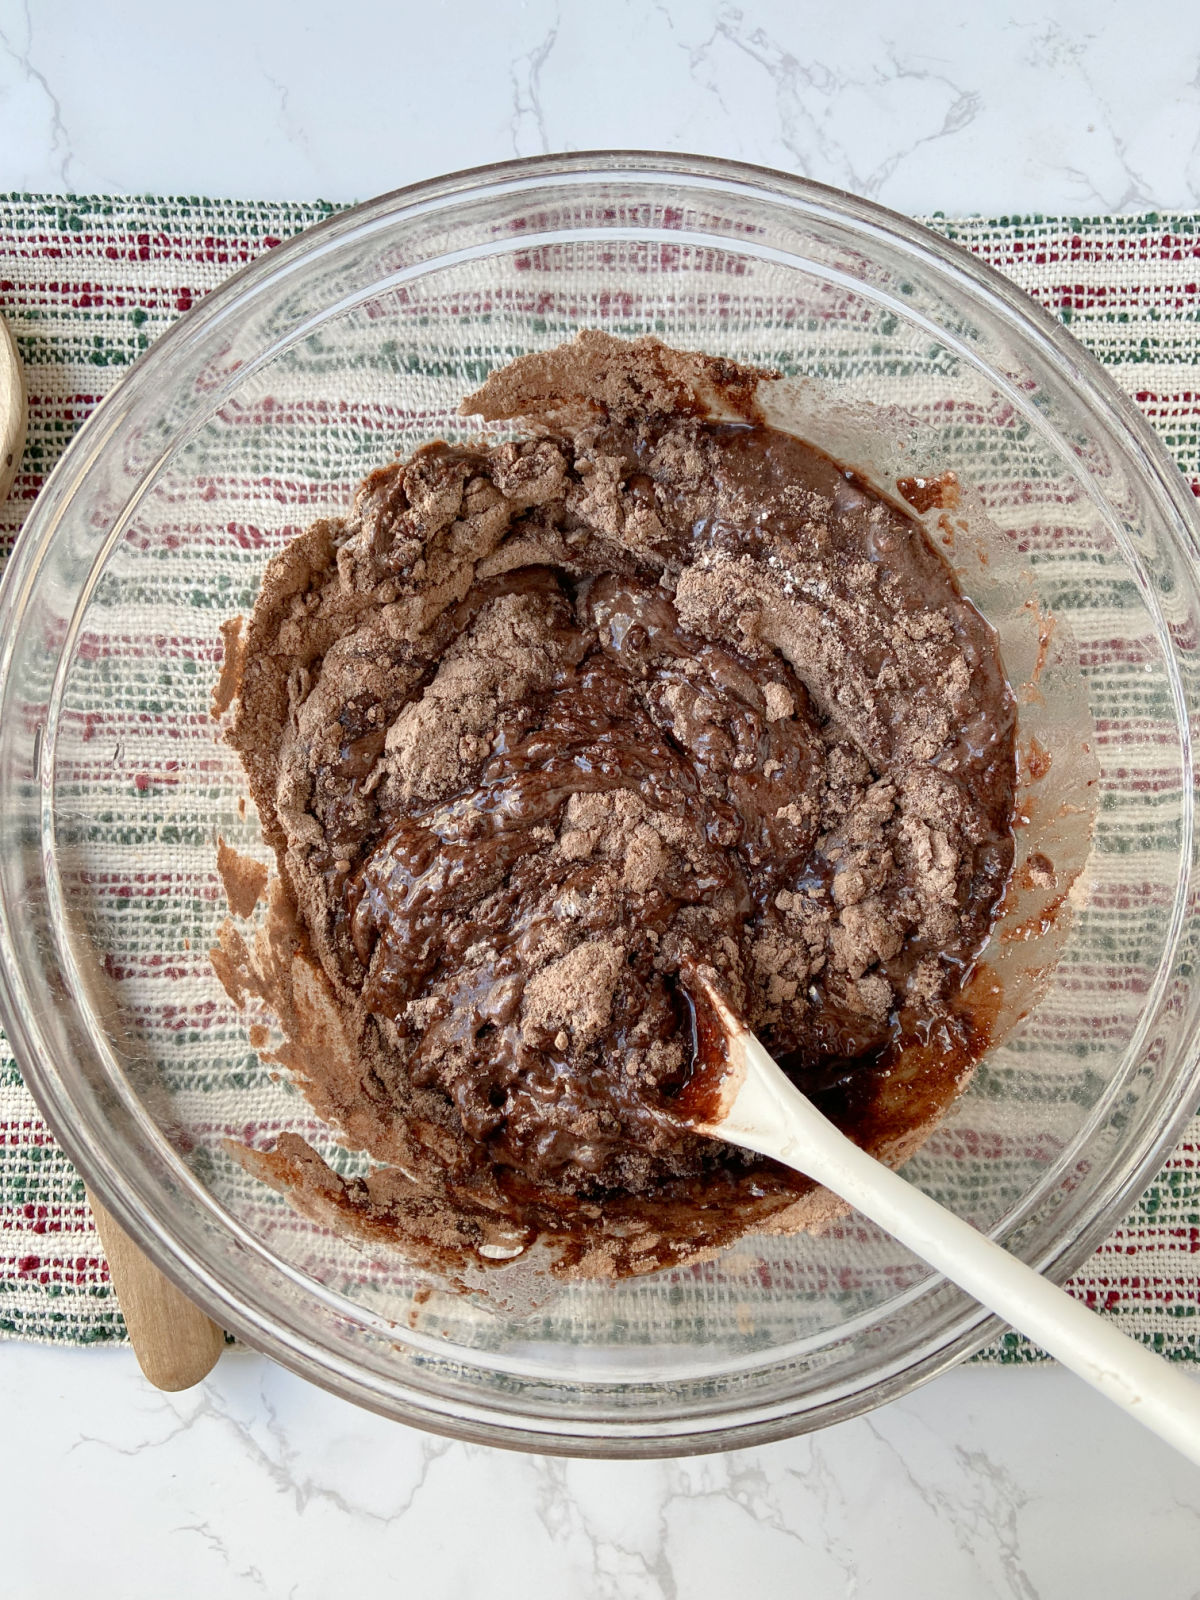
[540,724]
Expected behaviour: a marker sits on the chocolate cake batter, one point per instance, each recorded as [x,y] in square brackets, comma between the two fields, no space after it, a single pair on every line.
[541,726]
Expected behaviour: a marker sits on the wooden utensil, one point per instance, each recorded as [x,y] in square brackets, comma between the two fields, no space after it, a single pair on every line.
[12,410]
[738,1094]
[175,1343]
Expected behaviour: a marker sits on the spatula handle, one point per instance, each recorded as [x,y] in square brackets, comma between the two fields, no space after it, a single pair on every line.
[771,1116]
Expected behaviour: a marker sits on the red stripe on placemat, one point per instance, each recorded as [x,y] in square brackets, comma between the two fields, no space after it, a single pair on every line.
[78,264]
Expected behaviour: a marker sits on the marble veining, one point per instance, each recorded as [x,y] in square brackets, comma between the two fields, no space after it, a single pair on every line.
[988,1482]
[1074,104]
[17,42]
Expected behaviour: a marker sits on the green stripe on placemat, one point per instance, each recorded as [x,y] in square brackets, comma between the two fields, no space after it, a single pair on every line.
[87,283]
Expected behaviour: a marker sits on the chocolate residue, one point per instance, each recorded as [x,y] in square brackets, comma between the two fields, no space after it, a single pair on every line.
[243,879]
[231,666]
[926,494]
[1035,760]
[539,726]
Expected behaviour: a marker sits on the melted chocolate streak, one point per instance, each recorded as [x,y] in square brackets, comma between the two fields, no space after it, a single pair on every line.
[604,725]
[642,705]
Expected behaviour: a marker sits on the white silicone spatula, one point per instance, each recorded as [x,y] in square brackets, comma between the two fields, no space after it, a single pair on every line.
[746,1100]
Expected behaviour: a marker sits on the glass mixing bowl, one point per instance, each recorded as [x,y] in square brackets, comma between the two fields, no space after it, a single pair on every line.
[260,410]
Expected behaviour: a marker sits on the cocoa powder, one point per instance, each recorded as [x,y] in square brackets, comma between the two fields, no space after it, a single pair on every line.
[537,726]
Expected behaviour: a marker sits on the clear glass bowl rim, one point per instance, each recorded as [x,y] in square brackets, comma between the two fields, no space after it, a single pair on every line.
[970,1326]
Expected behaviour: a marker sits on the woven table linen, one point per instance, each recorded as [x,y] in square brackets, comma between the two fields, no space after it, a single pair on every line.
[86,284]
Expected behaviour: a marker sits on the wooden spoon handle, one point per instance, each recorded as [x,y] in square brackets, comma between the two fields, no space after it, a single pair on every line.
[175,1343]
[12,410]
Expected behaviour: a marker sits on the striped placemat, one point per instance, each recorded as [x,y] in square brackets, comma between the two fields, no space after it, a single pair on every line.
[87,283]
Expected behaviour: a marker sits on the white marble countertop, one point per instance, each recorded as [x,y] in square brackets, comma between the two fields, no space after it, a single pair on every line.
[988,1482]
